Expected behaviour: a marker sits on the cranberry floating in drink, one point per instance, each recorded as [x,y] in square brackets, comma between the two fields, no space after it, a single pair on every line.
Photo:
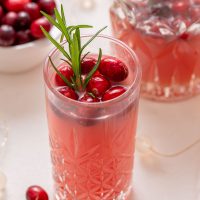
[166,37]
[92,105]
[66,70]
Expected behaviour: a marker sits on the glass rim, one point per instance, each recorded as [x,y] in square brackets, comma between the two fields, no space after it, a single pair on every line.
[134,85]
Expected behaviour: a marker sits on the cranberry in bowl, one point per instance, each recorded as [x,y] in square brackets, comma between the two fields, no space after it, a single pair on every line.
[22,43]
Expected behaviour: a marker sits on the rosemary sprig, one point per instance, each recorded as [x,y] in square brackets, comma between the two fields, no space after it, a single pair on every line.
[83,57]
[93,70]
[73,56]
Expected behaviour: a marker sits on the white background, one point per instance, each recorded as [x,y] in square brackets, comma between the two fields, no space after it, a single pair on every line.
[171,127]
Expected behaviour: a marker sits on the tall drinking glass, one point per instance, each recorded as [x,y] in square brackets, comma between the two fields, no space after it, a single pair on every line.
[92,144]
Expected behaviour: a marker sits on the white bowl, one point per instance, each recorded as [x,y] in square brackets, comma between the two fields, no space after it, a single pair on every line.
[24,57]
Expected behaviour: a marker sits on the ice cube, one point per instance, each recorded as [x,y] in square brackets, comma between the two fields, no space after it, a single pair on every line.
[195,28]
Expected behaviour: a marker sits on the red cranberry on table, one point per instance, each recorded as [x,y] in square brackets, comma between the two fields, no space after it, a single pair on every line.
[33,10]
[35,27]
[23,20]
[47,6]
[10,19]
[113,69]
[98,85]
[7,35]
[36,193]
[87,64]
[89,99]
[15,5]
[113,92]
[66,71]
[68,92]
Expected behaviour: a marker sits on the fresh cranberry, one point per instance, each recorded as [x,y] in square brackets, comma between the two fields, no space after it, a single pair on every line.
[87,64]
[89,99]
[7,35]
[23,20]
[66,71]
[97,73]
[113,69]
[10,19]
[180,6]
[113,93]
[47,6]
[23,37]
[35,27]
[184,36]
[1,13]
[33,10]
[98,85]
[36,193]
[15,5]
[68,92]
[195,13]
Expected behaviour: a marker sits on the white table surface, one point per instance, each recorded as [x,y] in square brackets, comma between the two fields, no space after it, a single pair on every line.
[171,127]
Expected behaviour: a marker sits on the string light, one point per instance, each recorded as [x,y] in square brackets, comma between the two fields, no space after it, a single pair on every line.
[2,185]
[145,147]
[87,4]
[2,181]
[4,137]
[2,195]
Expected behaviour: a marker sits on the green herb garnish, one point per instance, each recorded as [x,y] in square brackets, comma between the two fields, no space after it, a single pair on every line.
[74,55]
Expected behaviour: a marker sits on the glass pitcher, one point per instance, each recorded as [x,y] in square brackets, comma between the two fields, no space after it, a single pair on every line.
[166,38]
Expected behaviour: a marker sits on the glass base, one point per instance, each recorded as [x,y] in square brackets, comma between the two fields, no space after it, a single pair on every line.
[153,91]
[123,196]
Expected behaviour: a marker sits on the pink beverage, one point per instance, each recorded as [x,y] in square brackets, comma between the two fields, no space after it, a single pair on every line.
[166,37]
[92,144]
